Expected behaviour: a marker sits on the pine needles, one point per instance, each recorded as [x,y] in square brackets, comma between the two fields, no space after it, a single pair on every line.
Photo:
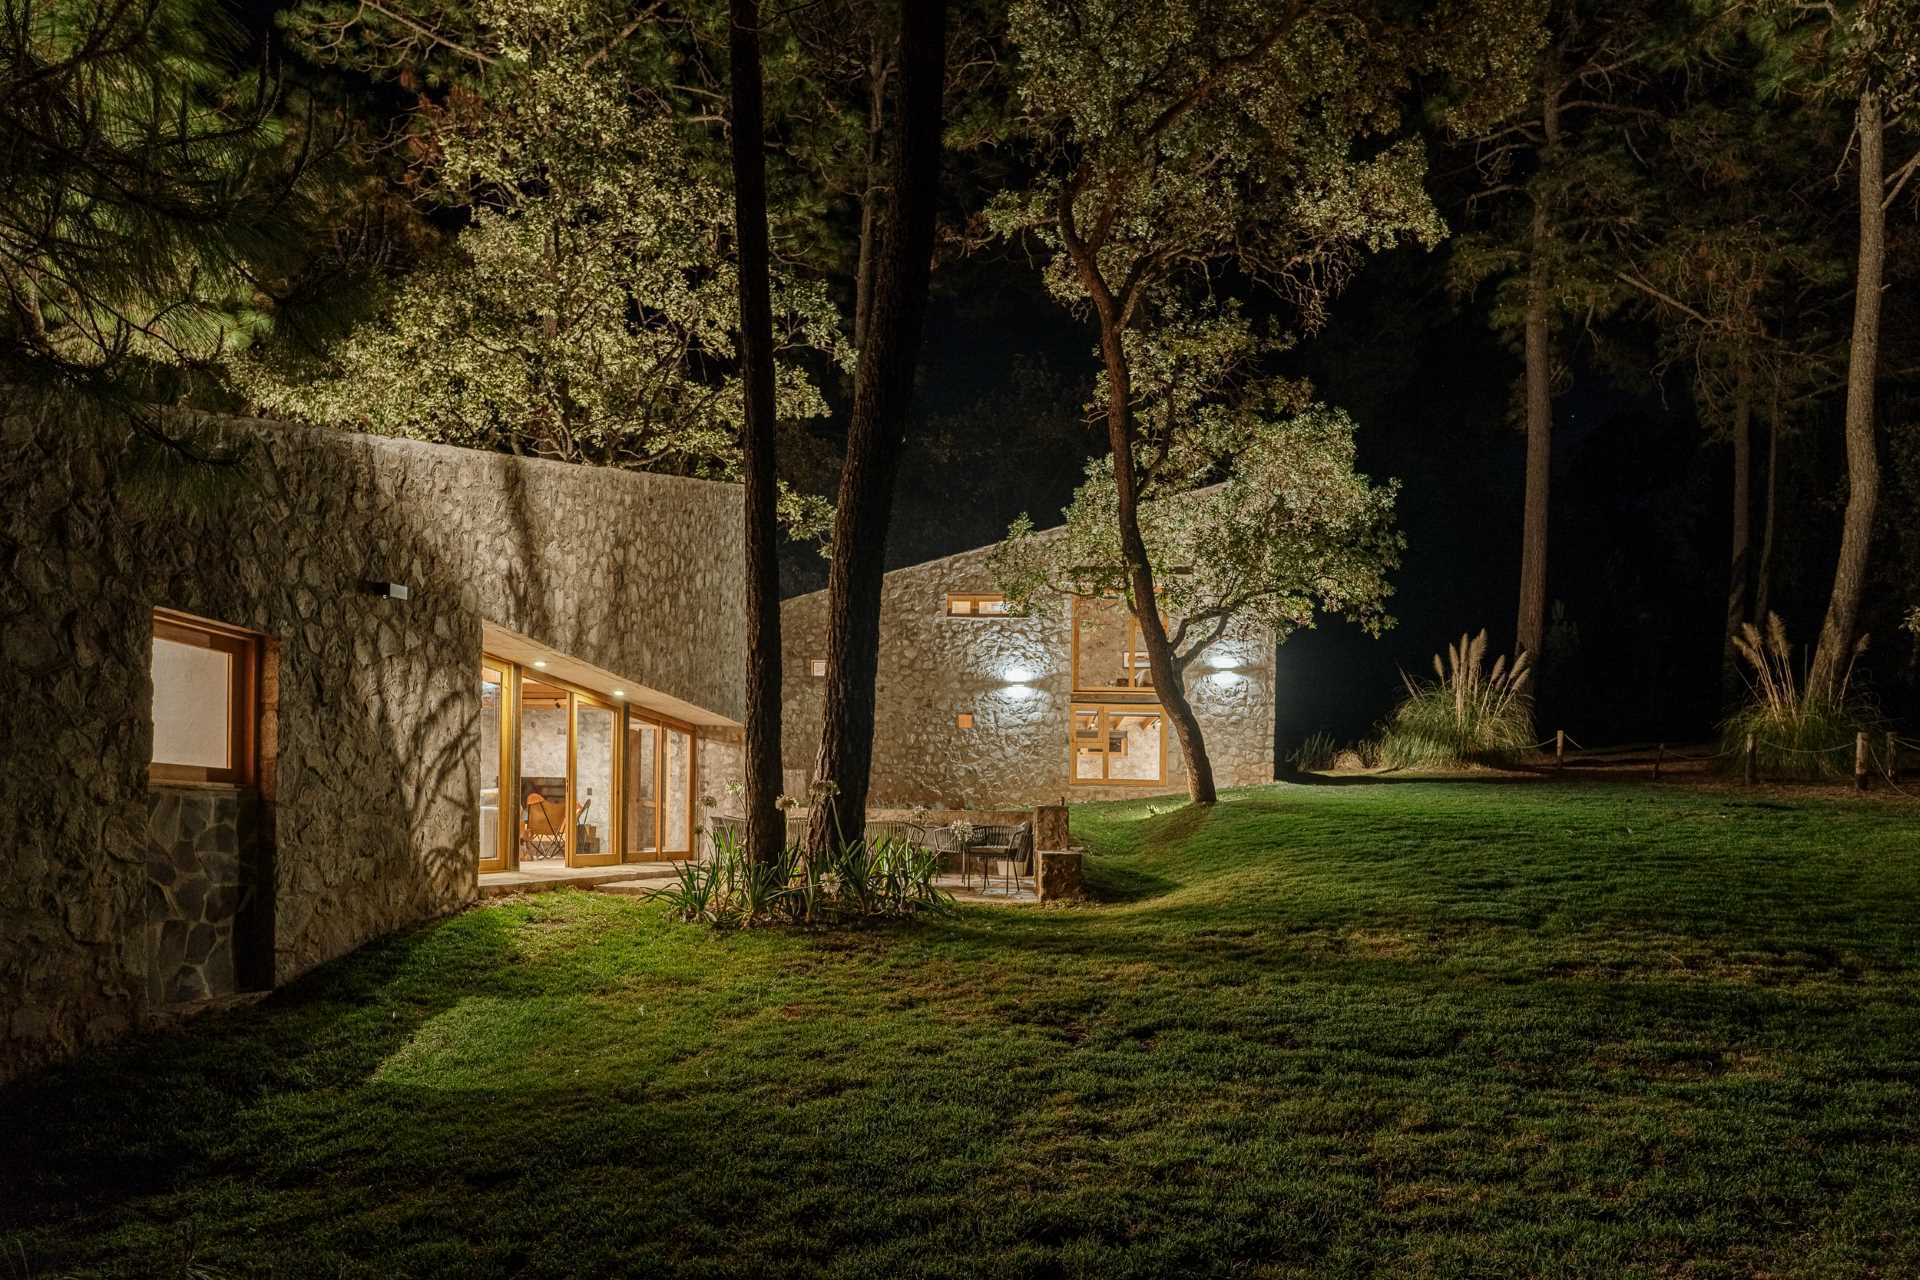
[1466,715]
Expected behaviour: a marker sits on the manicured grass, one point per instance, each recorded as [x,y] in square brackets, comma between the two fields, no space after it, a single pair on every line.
[1425,1029]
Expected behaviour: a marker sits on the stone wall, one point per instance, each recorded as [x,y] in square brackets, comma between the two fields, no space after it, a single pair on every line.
[370,776]
[1014,675]
[209,920]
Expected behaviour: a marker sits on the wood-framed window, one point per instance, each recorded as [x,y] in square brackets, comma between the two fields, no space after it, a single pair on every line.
[206,684]
[1117,745]
[1109,655]
[977,604]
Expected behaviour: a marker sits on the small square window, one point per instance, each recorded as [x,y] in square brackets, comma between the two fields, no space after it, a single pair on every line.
[818,666]
[964,720]
[205,678]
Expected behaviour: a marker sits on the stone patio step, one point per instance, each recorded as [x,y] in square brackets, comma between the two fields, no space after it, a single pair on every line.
[639,885]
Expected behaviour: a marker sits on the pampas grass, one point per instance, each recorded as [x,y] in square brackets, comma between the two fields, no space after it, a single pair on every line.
[1799,731]
[1465,715]
[1316,754]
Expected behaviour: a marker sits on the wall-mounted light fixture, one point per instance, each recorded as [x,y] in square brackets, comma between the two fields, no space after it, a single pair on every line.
[389,590]
[540,663]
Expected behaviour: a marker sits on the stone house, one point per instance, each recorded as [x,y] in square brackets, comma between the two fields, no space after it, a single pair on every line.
[247,734]
[979,708]
[362,680]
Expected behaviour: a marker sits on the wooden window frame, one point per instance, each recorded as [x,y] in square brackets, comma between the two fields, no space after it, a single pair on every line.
[975,599]
[243,698]
[1134,653]
[1104,735]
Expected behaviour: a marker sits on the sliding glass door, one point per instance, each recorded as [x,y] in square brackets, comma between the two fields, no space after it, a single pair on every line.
[571,778]
[659,788]
[495,844]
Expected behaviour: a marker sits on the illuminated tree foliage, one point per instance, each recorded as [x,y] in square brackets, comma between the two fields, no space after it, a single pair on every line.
[1253,514]
[587,309]
[1179,142]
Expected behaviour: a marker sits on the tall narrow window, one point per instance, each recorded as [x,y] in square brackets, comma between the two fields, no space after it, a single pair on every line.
[546,771]
[493,761]
[205,678]
[643,790]
[596,727]
[1108,653]
[677,836]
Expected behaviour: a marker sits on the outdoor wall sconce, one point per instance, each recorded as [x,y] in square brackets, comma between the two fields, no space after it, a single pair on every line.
[390,590]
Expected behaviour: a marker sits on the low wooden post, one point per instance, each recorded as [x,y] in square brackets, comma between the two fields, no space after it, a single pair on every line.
[1559,748]
[1750,771]
[1860,757]
[1893,757]
[1659,758]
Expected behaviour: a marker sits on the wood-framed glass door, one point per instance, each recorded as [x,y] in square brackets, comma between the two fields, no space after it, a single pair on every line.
[498,826]
[569,777]
[594,834]
[661,777]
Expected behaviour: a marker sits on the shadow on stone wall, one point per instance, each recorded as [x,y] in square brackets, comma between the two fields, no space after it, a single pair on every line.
[374,781]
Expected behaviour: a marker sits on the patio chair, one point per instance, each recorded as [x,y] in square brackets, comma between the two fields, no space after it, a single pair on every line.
[543,836]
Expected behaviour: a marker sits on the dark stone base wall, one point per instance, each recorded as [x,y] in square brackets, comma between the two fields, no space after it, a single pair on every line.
[371,786]
[207,933]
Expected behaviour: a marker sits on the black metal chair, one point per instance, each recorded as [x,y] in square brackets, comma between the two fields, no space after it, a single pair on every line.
[1011,846]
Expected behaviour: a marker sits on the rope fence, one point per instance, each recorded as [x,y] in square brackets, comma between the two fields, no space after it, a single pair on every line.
[1875,756]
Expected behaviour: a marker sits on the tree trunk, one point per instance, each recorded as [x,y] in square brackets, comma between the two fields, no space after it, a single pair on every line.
[1530,631]
[883,393]
[879,67]
[1833,656]
[1739,568]
[1763,572]
[766,825]
[1168,682]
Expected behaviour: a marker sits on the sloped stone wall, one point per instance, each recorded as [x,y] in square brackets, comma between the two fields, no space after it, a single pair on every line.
[1014,675]
[370,787]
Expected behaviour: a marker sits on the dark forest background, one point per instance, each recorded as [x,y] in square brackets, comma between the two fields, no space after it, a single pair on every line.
[1637,581]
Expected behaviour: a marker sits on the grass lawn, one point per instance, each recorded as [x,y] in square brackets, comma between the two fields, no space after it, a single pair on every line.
[1420,1029]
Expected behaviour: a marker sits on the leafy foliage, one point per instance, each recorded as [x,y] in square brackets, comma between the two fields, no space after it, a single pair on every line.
[1255,518]
[587,309]
[854,881]
[152,185]
[1465,715]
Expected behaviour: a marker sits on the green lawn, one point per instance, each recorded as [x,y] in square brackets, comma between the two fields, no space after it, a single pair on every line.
[1424,1029]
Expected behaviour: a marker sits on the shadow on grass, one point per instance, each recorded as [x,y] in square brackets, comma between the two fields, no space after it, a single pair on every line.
[105,1126]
